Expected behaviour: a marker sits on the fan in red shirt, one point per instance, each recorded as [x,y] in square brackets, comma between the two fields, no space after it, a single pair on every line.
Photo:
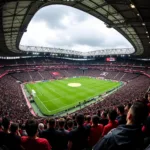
[31,141]
[87,120]
[95,131]
[112,122]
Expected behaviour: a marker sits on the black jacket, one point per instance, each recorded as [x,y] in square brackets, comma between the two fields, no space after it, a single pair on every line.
[124,137]
[121,119]
[3,136]
[64,137]
[13,142]
[52,135]
[79,137]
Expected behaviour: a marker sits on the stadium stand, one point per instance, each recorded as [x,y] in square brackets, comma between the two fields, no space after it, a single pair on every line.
[129,93]
[12,100]
[22,76]
[14,106]
[95,126]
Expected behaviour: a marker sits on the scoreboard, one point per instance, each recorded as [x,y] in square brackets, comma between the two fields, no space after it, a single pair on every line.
[109,59]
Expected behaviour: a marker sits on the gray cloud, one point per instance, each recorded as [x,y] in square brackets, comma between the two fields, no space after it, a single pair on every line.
[53,15]
[67,27]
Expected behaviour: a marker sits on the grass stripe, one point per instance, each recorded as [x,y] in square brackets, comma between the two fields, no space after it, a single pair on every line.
[55,96]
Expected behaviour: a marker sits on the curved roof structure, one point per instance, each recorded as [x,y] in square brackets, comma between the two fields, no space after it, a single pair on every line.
[116,51]
[130,18]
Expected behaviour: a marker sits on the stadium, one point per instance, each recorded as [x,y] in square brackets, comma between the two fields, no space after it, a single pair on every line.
[64,87]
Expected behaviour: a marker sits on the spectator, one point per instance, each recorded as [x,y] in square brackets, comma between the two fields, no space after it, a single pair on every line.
[52,135]
[23,131]
[87,120]
[4,133]
[31,141]
[146,130]
[95,131]
[13,140]
[127,107]
[127,136]
[121,116]
[40,128]
[63,136]
[113,123]
[6,124]
[78,138]
[104,120]
[70,125]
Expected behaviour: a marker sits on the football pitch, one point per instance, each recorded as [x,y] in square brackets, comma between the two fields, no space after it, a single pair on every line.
[55,96]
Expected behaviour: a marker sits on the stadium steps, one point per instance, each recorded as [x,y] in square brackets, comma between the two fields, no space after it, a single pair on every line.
[116,75]
[122,77]
[41,75]
[135,77]
[30,76]
[67,73]
[14,77]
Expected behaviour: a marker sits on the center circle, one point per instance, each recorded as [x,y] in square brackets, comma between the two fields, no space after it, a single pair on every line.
[74,84]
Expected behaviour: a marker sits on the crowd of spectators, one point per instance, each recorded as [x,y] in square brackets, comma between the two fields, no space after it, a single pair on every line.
[1,71]
[12,102]
[47,75]
[124,127]
[132,91]
[105,125]
[22,76]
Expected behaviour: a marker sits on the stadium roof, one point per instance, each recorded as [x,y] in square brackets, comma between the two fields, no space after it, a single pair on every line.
[130,18]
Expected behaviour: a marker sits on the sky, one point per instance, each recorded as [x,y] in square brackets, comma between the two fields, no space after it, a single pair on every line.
[69,28]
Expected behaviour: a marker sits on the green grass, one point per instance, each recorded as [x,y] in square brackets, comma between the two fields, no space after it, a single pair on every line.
[55,96]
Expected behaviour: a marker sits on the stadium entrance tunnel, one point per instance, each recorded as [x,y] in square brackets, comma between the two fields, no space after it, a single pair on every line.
[74,84]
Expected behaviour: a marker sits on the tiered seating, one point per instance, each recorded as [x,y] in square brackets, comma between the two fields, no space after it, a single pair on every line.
[131,92]
[23,77]
[35,76]
[12,102]
[46,75]
[111,75]
[93,73]
[13,106]
[119,76]
[2,71]
[129,76]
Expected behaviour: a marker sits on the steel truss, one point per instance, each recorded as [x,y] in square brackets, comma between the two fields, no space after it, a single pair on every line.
[37,49]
